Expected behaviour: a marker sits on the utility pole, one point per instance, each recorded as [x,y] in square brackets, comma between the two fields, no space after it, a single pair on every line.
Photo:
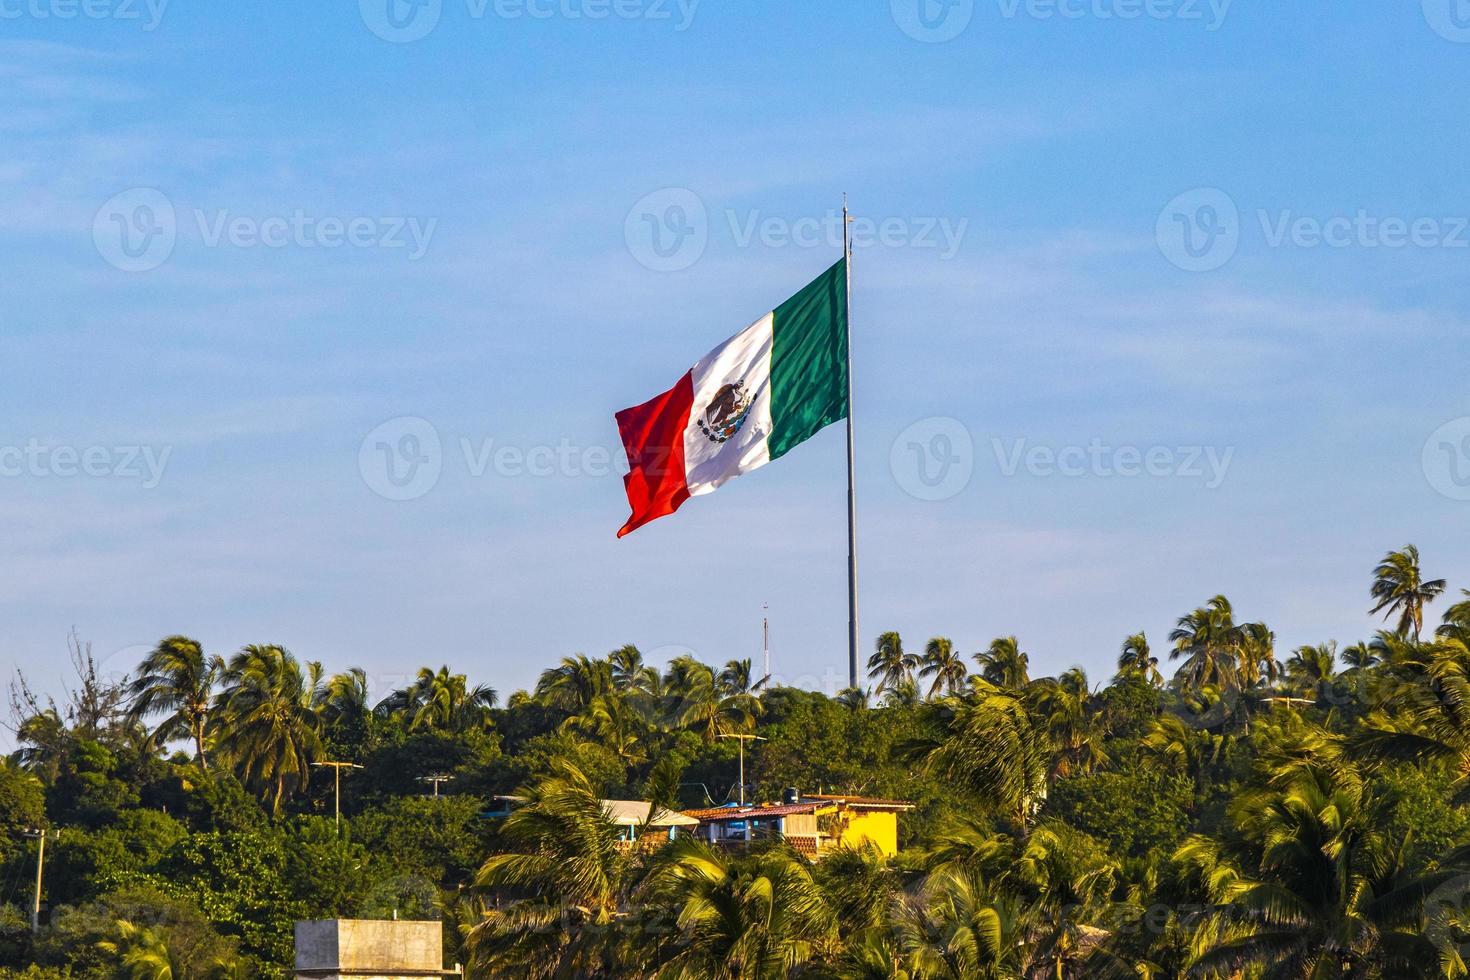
[436,779]
[743,739]
[337,768]
[39,835]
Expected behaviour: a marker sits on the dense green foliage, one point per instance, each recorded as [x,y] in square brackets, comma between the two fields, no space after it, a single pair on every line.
[1259,814]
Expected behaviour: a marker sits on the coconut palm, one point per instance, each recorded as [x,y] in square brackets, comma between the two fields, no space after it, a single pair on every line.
[140,953]
[1312,670]
[1425,722]
[1064,705]
[889,664]
[265,720]
[1399,587]
[178,679]
[614,722]
[443,702]
[1182,748]
[740,918]
[552,899]
[1314,887]
[958,926]
[1004,664]
[630,673]
[1209,641]
[944,664]
[572,685]
[1135,660]
[992,745]
[694,698]
[344,698]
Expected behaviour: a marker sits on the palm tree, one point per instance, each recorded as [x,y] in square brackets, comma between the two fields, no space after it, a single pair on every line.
[1135,660]
[1314,888]
[889,664]
[266,721]
[141,953]
[614,722]
[760,917]
[942,663]
[992,745]
[1065,706]
[1209,641]
[1193,752]
[1312,670]
[572,685]
[1400,589]
[1426,722]
[177,678]
[344,706]
[735,679]
[957,926]
[630,673]
[1004,664]
[694,698]
[555,895]
[443,702]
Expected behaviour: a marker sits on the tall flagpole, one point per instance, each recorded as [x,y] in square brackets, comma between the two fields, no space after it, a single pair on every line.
[852,584]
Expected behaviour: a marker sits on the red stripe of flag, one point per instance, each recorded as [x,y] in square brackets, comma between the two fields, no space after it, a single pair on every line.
[653,435]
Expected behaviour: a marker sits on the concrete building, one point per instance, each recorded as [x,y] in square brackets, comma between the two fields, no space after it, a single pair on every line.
[355,949]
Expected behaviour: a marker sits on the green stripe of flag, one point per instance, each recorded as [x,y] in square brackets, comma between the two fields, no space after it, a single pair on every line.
[809,361]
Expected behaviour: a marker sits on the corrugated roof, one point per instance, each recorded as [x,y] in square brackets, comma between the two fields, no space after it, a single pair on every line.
[726,813]
[864,801]
[634,813]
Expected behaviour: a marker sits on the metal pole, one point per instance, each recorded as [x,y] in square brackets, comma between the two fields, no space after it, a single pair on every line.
[742,772]
[852,584]
[40,868]
[338,771]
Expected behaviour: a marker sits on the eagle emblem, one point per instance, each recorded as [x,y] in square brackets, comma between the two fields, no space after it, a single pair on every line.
[726,412]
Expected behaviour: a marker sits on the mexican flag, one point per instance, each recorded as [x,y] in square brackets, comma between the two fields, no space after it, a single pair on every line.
[754,398]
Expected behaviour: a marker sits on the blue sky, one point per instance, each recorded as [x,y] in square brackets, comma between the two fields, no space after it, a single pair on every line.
[192,419]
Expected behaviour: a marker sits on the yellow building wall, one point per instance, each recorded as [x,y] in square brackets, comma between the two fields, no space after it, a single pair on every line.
[876,826]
